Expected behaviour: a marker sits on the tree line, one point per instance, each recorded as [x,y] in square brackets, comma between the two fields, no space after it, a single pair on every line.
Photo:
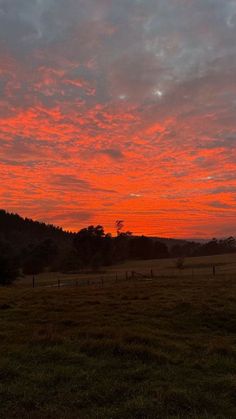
[30,247]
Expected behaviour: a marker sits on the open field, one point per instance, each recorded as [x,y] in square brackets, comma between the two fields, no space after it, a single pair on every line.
[164,348]
[196,267]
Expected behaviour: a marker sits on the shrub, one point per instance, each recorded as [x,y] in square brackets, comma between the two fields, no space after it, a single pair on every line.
[180,263]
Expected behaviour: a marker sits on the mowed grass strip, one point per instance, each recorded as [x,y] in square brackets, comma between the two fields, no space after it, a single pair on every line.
[160,349]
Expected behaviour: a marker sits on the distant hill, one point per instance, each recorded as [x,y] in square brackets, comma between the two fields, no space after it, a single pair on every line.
[171,242]
[19,230]
[30,245]
[23,231]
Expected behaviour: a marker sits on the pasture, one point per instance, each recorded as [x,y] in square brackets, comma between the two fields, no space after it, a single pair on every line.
[137,348]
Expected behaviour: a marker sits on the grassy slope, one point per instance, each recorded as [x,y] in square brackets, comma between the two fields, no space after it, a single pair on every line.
[131,350]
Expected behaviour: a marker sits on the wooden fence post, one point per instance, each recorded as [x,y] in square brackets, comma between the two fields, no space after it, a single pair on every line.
[151,273]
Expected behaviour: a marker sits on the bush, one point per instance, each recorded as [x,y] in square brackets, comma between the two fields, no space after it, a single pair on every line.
[180,263]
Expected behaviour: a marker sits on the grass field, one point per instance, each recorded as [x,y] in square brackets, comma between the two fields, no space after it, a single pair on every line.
[164,348]
[163,268]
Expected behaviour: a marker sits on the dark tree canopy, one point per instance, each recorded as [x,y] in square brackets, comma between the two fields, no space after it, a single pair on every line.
[8,270]
[94,247]
[33,247]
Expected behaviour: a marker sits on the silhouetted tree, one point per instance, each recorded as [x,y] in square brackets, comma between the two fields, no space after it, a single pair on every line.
[228,245]
[8,270]
[70,262]
[147,248]
[177,251]
[216,247]
[39,256]
[160,250]
[141,248]
[121,246]
[119,226]
[96,261]
[89,242]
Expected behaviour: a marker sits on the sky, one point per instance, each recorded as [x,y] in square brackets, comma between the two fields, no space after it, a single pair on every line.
[120,109]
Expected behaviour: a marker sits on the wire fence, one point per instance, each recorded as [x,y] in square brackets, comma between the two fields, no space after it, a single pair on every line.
[210,271]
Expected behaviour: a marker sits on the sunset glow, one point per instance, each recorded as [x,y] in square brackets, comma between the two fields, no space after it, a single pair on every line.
[120,110]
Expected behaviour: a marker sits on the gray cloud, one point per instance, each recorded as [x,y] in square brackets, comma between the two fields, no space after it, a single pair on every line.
[219,204]
[222,189]
[142,45]
[114,153]
[71,182]
[129,51]
[75,184]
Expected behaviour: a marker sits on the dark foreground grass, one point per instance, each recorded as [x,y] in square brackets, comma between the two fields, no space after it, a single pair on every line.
[161,349]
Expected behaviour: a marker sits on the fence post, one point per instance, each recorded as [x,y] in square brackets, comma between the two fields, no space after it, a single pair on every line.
[152,273]
[33,282]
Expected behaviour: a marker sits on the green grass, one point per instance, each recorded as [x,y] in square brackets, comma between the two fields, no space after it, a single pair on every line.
[160,349]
